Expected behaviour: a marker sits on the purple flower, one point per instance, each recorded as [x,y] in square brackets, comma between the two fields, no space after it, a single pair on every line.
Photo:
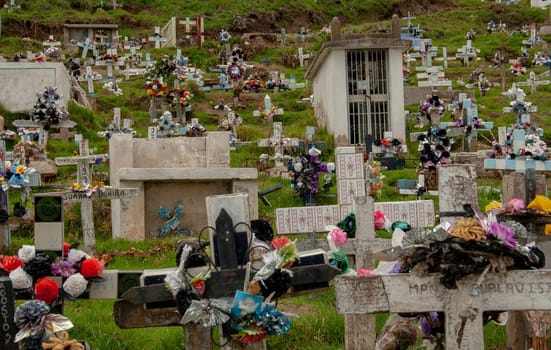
[63,268]
[428,322]
[503,233]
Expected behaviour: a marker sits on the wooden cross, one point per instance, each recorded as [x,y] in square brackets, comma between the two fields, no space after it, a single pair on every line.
[467,53]
[11,6]
[157,38]
[84,178]
[8,329]
[188,24]
[445,58]
[85,47]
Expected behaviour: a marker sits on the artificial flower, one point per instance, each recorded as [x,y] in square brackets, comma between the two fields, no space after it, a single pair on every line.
[75,285]
[280,241]
[20,279]
[493,205]
[365,272]
[338,236]
[540,203]
[10,263]
[63,268]
[503,233]
[91,267]
[379,219]
[46,290]
[516,205]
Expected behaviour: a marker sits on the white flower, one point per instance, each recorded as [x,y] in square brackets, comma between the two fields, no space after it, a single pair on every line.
[76,255]
[75,285]
[21,279]
[26,253]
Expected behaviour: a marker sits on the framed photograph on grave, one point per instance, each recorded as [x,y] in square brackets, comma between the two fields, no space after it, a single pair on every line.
[48,227]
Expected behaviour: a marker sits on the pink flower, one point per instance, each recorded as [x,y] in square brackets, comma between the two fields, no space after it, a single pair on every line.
[379,219]
[516,205]
[365,272]
[338,236]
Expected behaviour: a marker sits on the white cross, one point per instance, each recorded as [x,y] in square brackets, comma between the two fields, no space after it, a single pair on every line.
[11,6]
[157,38]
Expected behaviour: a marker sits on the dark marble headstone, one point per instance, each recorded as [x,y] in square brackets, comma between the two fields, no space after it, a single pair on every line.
[7,309]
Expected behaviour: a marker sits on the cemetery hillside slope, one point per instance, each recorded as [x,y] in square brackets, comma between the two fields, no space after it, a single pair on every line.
[40,18]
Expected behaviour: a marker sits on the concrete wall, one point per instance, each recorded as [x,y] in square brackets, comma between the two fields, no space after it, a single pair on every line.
[21,81]
[396,86]
[171,170]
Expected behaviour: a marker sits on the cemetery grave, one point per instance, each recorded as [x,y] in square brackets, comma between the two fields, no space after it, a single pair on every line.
[435,76]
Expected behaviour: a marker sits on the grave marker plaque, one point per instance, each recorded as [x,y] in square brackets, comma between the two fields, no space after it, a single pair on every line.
[7,309]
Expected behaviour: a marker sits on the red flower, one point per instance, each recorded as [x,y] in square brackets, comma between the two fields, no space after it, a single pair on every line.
[252,337]
[46,290]
[10,263]
[91,267]
[66,248]
[280,242]
[200,286]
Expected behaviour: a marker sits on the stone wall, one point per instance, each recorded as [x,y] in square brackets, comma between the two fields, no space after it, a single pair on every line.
[21,81]
[172,170]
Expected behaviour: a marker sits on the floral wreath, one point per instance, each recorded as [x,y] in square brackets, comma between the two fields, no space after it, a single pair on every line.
[250,317]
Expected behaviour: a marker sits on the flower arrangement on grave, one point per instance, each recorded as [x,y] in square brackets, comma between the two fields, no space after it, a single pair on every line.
[475,244]
[389,146]
[29,150]
[375,176]
[96,187]
[268,114]
[31,275]
[534,147]
[435,148]
[172,220]
[108,56]
[304,171]
[179,96]
[155,86]
[251,316]
[46,111]
[166,126]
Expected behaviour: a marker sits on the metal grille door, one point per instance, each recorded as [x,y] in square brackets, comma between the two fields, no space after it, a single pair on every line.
[368,96]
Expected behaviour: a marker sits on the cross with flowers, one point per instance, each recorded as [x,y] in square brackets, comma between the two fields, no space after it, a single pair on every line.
[278,142]
[84,190]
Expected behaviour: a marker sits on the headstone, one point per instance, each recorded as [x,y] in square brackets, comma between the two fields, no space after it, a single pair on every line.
[283,37]
[90,81]
[459,182]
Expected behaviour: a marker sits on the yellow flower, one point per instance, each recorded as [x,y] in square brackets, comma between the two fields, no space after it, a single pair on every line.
[540,203]
[20,169]
[493,205]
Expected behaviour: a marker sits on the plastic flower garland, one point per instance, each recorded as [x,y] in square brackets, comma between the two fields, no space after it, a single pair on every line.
[178,96]
[46,111]
[249,317]
[305,170]
[155,86]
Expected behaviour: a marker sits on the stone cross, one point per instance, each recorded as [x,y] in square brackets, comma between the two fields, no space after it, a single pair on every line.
[84,178]
[157,38]
[278,142]
[533,82]
[85,47]
[11,6]
[90,81]
[51,42]
[303,56]
[283,37]
[110,63]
